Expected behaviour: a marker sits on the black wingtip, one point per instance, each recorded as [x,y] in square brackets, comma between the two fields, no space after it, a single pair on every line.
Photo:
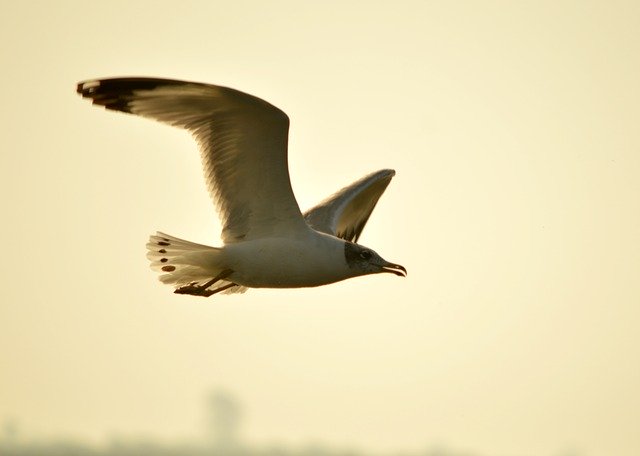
[86,88]
[124,85]
[117,93]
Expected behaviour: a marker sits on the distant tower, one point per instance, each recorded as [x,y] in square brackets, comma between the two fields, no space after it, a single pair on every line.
[10,431]
[224,417]
[9,436]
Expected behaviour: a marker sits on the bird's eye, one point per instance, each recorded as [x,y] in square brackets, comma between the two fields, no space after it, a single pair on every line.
[365,255]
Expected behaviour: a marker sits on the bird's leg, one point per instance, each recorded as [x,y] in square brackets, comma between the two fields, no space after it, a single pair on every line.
[208,293]
[201,290]
[224,274]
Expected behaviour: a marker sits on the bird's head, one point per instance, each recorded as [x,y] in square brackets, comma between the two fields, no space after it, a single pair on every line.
[362,260]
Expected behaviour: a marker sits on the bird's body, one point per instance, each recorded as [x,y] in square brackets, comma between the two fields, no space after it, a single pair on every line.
[268,242]
[307,260]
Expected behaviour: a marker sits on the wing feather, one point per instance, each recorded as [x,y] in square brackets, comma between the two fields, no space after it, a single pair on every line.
[243,144]
[345,213]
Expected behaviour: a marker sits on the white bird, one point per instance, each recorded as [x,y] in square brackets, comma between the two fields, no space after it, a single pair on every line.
[268,242]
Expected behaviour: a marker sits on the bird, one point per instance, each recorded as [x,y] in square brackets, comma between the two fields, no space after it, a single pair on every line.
[267,241]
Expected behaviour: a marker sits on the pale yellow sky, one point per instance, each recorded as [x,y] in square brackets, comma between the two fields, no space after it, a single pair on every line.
[513,128]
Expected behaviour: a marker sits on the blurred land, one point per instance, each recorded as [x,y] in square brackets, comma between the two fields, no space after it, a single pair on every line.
[221,437]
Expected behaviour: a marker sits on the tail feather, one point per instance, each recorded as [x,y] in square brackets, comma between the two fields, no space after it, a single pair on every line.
[182,262]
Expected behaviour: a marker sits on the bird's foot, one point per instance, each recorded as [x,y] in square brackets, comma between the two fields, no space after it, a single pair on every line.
[194,289]
[203,290]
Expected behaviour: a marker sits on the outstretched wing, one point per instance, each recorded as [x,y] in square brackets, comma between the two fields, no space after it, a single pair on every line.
[243,144]
[345,214]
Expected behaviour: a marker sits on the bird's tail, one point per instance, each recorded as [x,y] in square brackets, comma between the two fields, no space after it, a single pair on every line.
[183,263]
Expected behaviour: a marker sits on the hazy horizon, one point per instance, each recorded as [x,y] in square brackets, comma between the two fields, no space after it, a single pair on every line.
[221,432]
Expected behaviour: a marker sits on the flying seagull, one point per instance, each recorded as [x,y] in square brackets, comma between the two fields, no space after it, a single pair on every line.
[268,241]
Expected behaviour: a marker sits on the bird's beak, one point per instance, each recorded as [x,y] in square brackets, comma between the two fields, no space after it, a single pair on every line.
[394,269]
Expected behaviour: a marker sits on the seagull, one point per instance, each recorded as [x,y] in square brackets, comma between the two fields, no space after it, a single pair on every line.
[267,241]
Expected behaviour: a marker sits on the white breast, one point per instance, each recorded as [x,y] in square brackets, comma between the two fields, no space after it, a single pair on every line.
[307,261]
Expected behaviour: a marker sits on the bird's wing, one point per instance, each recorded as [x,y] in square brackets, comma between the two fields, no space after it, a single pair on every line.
[243,144]
[345,213]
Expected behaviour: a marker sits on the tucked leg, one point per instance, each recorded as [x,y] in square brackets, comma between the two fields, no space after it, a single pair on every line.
[201,290]
[208,293]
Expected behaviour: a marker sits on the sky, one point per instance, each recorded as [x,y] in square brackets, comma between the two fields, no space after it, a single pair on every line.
[513,129]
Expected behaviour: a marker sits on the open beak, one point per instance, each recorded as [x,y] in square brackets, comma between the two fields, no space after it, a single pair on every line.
[394,269]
